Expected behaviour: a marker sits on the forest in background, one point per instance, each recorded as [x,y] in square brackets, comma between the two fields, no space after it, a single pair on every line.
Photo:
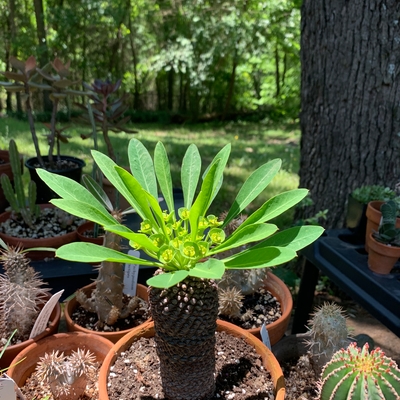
[184,59]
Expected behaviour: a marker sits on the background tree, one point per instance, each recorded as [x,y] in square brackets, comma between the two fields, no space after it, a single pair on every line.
[350,93]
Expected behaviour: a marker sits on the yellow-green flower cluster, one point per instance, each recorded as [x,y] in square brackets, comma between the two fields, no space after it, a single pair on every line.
[176,247]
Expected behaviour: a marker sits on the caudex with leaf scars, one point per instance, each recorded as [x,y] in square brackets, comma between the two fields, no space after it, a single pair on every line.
[183,294]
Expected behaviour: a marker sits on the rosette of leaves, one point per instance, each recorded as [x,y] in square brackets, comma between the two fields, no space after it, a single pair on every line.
[107,111]
[183,295]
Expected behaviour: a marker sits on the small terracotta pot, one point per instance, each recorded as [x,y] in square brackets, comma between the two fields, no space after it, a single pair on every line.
[147,330]
[88,226]
[278,289]
[26,243]
[374,216]
[72,304]
[12,351]
[381,257]
[63,342]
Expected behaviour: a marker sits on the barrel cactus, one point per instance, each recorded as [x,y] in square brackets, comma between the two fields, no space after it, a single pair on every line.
[356,373]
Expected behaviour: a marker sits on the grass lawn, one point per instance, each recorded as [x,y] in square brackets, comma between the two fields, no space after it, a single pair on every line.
[252,146]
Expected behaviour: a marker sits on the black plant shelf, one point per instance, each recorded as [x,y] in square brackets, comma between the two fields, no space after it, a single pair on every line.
[340,256]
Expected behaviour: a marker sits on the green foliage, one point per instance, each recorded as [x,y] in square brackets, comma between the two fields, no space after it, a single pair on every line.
[355,373]
[168,55]
[20,203]
[178,245]
[367,193]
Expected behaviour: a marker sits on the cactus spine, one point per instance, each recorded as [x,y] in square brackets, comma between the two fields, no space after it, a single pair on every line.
[328,332]
[66,375]
[21,294]
[356,373]
[26,207]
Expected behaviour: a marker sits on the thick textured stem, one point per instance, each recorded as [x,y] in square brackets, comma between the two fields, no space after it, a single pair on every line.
[185,323]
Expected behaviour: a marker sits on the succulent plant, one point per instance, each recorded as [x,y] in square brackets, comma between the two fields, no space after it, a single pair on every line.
[106,300]
[28,78]
[387,232]
[107,111]
[367,193]
[355,373]
[19,203]
[328,332]
[66,375]
[21,293]
[183,294]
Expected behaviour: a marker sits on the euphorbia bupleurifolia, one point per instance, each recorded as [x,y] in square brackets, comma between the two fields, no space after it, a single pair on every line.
[183,295]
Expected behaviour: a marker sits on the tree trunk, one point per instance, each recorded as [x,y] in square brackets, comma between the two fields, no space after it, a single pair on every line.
[43,49]
[277,72]
[350,93]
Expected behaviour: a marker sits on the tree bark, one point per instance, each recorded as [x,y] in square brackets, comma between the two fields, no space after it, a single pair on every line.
[350,93]
[43,49]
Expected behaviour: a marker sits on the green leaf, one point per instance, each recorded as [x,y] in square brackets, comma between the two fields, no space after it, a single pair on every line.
[139,238]
[190,173]
[142,167]
[97,191]
[275,206]
[107,167]
[137,194]
[163,173]
[167,279]
[67,188]
[210,269]
[260,258]
[201,204]
[253,186]
[221,158]
[295,238]
[157,212]
[89,252]
[75,199]
[84,210]
[251,233]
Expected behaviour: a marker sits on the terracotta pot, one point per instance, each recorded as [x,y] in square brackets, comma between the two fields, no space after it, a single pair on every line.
[373,219]
[26,243]
[147,330]
[88,226]
[72,304]
[278,289]
[12,351]
[63,342]
[381,257]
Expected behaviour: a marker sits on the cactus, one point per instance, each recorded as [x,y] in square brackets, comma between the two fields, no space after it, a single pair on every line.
[388,233]
[26,207]
[66,375]
[328,332]
[21,293]
[356,373]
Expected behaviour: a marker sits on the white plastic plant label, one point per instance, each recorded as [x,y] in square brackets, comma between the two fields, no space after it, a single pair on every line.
[265,336]
[131,273]
[44,316]
[7,388]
